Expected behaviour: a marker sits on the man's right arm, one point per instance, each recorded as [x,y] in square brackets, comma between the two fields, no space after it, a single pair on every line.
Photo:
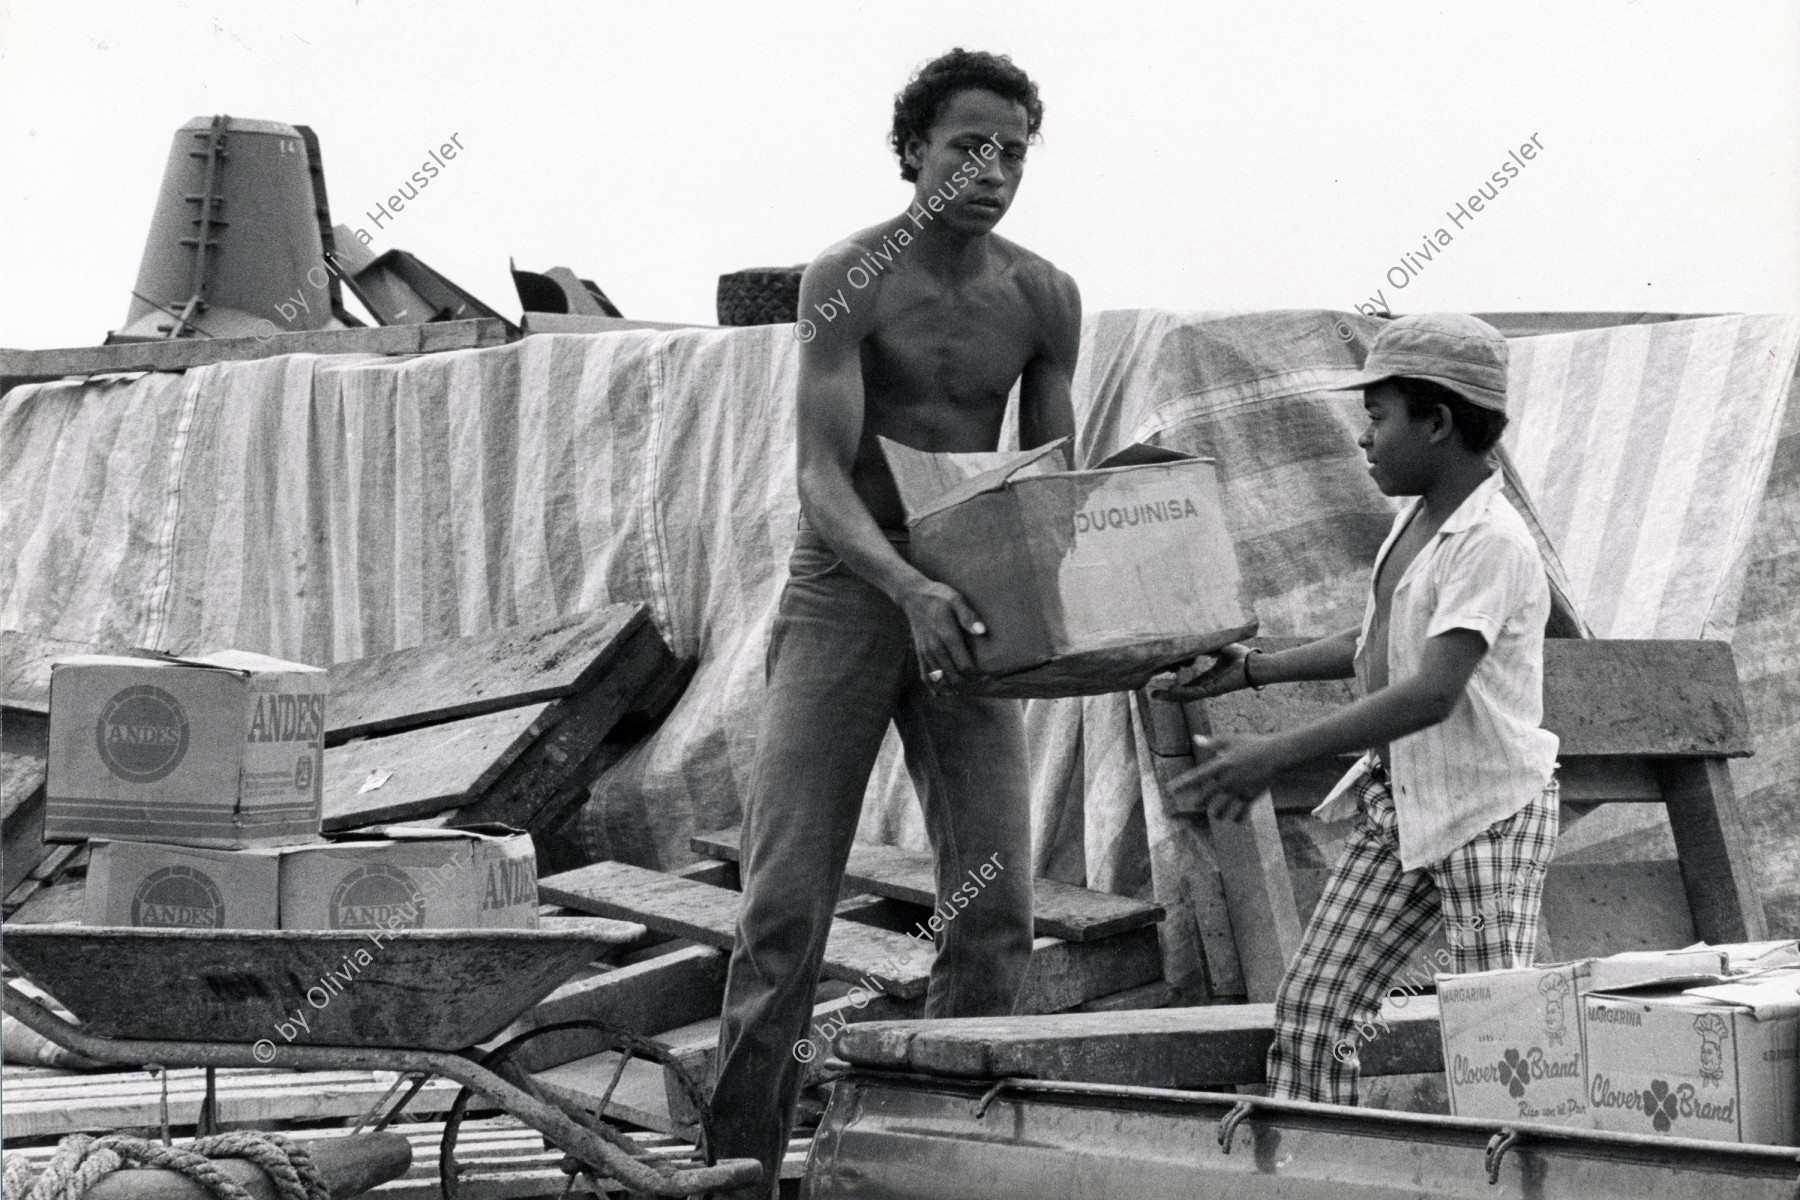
[830,419]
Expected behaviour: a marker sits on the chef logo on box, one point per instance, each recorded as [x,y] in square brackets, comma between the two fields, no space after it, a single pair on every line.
[377,896]
[1556,995]
[178,896]
[1713,1032]
[142,734]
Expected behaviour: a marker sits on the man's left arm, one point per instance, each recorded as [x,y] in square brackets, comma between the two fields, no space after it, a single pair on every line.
[1045,409]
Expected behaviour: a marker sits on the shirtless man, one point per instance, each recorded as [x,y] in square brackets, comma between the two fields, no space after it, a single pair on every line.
[914,329]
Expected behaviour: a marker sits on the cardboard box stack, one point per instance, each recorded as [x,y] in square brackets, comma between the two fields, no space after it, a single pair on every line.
[1699,1043]
[1513,1046]
[199,783]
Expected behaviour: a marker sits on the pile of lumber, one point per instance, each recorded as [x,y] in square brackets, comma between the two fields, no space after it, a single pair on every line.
[1093,952]
[509,726]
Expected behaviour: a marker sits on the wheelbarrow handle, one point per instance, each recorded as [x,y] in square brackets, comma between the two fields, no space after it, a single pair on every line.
[593,1151]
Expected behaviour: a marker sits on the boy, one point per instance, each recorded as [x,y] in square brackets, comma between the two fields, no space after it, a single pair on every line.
[1455,798]
[915,329]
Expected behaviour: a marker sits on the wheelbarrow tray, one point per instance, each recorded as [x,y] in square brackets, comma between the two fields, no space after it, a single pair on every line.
[438,989]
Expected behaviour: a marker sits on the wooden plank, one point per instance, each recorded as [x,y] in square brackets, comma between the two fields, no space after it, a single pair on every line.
[638,1098]
[1259,897]
[1654,698]
[1063,974]
[645,998]
[559,842]
[426,770]
[24,751]
[85,1103]
[1169,1047]
[19,366]
[22,828]
[1265,921]
[538,788]
[56,904]
[1714,850]
[892,962]
[1149,995]
[543,322]
[1199,948]
[484,672]
[1602,696]
[1058,910]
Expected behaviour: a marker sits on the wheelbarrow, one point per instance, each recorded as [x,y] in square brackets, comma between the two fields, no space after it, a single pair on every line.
[415,1002]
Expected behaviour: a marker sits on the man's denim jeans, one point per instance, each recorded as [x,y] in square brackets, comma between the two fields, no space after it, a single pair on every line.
[840,666]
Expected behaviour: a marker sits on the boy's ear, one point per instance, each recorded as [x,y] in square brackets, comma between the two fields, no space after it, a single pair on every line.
[1442,424]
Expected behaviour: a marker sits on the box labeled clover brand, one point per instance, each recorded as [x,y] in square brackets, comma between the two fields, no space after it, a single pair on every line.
[405,877]
[156,885]
[1088,581]
[1715,1061]
[221,750]
[1512,1039]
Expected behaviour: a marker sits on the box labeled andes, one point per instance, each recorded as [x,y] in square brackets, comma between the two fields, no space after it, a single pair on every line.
[1087,581]
[413,877]
[222,750]
[157,885]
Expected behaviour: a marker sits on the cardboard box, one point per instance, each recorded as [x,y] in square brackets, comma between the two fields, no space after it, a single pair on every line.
[1088,581]
[1716,1061]
[413,878]
[1512,1039]
[1758,956]
[224,750]
[153,885]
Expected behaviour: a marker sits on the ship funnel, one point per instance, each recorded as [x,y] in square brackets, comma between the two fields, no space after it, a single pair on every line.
[238,245]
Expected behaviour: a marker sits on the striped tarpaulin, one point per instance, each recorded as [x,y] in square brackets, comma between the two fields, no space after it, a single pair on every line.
[324,508]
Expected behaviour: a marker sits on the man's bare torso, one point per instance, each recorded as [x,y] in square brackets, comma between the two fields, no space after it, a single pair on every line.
[942,356]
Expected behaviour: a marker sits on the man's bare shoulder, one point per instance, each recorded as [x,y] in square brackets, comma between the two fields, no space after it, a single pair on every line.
[1051,292]
[837,258]
[838,287]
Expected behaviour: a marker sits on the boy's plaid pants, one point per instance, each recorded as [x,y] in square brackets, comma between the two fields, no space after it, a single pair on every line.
[1373,915]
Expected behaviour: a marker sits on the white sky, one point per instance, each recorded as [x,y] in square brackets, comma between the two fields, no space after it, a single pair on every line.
[1195,156]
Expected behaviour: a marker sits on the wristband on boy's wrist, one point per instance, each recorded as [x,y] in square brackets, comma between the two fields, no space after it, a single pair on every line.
[1253,685]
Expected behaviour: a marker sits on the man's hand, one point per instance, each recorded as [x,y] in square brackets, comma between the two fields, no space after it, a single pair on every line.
[1225,675]
[940,618]
[1235,771]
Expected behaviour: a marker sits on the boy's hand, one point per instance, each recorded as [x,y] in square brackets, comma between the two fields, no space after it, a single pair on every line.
[1225,675]
[1235,772]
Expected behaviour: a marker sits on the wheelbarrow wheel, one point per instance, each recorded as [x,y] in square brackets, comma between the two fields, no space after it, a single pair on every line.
[629,1044]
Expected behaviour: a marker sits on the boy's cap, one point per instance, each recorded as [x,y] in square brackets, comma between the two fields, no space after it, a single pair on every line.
[1463,353]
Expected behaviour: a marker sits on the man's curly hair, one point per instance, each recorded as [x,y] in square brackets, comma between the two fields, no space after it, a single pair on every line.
[917,107]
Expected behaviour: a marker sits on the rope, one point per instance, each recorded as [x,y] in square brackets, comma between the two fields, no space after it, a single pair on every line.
[81,1161]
